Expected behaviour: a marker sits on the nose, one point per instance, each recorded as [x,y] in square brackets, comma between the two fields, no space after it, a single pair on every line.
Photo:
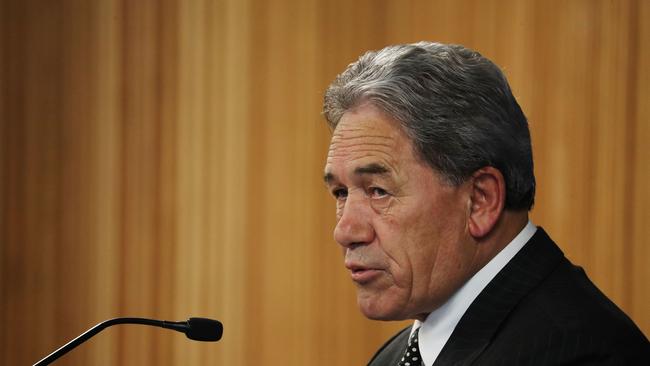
[354,226]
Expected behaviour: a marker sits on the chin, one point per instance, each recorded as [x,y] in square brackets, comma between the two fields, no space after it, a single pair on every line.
[376,309]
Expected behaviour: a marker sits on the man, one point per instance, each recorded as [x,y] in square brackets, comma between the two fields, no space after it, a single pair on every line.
[431,167]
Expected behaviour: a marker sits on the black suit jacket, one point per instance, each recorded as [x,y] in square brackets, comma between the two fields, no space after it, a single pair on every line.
[539,310]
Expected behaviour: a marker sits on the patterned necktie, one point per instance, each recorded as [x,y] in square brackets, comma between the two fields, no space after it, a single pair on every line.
[412,354]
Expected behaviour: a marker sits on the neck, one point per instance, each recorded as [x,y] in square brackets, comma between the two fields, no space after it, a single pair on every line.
[506,229]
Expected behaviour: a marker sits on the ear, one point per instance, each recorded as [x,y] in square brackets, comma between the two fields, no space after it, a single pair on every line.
[487,194]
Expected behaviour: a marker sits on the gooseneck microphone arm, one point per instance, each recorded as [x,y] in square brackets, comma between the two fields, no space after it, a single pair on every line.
[198,329]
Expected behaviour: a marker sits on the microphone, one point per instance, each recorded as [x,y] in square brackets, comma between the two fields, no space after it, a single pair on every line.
[198,329]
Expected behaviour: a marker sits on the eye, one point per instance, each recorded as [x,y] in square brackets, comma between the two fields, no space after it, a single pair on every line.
[376,192]
[340,193]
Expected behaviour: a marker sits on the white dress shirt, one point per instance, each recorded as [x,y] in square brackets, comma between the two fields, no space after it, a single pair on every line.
[438,326]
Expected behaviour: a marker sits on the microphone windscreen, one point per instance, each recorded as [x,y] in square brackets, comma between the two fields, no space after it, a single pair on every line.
[204,329]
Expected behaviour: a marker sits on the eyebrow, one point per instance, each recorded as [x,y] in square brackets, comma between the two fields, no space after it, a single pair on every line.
[372,168]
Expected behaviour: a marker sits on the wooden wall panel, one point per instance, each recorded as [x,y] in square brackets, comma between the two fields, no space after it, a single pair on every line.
[164,159]
[640,170]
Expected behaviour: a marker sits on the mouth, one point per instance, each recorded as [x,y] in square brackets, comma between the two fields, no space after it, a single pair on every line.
[362,274]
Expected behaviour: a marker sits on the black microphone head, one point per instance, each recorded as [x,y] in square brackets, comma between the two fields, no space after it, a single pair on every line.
[204,329]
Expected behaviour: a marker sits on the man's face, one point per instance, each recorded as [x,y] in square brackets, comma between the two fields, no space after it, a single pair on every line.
[403,230]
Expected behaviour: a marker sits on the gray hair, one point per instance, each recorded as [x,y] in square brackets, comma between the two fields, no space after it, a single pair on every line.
[454,104]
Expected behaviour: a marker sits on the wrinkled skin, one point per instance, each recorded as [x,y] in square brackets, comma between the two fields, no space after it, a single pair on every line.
[403,229]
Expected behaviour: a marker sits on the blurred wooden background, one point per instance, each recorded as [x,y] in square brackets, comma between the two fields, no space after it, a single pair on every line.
[164,159]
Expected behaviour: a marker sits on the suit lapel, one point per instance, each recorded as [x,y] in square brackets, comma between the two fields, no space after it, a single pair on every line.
[482,319]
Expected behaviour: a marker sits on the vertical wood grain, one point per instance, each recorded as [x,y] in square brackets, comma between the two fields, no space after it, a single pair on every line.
[639,251]
[164,159]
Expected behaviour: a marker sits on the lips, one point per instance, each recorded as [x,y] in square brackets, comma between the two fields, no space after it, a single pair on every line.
[362,274]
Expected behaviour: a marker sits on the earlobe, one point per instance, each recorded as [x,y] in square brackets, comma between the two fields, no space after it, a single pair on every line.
[487,201]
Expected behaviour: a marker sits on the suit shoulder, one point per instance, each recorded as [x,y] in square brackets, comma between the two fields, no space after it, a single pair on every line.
[566,312]
[568,300]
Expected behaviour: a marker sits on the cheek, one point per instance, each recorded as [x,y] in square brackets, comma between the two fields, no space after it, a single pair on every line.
[400,244]
[422,252]
[444,258]
[420,244]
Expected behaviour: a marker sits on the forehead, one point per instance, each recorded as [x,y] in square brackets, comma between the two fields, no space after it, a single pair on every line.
[366,135]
